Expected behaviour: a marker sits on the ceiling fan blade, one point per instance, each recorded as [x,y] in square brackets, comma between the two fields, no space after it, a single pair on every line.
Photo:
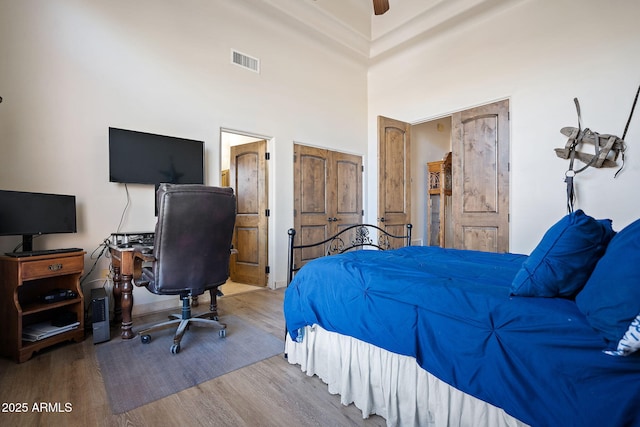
[380,6]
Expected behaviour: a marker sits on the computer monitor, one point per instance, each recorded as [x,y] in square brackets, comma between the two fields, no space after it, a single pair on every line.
[29,214]
[146,158]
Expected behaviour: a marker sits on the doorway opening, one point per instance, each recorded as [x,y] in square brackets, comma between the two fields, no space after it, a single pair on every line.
[431,141]
[244,167]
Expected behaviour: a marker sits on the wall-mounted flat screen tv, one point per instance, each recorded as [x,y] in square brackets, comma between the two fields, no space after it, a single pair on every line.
[145,158]
[29,214]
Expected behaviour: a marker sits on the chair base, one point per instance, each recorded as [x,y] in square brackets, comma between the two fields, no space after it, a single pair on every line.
[207,320]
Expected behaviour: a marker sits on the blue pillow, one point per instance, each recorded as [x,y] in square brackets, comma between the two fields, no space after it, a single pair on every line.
[563,261]
[611,297]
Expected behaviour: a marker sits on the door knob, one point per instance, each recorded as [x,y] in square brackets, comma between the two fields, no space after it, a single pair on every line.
[381,219]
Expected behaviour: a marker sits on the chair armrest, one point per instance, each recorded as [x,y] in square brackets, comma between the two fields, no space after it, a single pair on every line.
[142,257]
[138,259]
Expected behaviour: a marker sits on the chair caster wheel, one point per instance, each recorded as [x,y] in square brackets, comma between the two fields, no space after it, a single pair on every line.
[222,333]
[146,339]
[175,349]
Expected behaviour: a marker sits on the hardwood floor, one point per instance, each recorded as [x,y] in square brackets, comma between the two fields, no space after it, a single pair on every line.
[63,386]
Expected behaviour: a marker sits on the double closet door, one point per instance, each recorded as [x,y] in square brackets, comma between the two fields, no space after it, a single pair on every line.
[327,196]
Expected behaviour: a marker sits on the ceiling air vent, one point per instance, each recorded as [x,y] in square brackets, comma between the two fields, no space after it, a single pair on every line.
[245,61]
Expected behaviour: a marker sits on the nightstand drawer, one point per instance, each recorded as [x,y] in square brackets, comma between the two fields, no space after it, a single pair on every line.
[51,267]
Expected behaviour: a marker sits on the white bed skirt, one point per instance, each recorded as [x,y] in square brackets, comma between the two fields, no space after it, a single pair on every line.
[387,384]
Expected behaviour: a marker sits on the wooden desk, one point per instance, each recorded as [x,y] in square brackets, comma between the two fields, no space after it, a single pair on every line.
[123,271]
[127,264]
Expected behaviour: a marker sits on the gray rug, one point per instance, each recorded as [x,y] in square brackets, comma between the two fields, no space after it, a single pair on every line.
[135,374]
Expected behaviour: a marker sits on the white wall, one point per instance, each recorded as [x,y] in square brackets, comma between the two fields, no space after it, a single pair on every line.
[69,69]
[540,54]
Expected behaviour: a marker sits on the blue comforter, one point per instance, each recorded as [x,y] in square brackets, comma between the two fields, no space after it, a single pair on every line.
[537,358]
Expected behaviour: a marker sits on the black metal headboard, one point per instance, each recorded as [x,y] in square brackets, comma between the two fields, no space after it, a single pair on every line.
[353,237]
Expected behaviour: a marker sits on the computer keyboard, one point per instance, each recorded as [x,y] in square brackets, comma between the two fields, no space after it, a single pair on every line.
[148,240]
[42,252]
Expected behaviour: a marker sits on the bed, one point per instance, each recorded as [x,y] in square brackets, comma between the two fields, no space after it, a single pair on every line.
[432,336]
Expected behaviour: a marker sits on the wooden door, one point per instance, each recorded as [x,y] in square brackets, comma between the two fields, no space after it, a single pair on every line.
[327,196]
[248,177]
[394,175]
[480,201]
[346,179]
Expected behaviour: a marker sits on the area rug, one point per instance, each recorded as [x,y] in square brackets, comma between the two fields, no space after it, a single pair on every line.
[135,374]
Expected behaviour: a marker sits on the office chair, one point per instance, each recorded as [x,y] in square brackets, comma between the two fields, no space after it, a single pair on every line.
[191,252]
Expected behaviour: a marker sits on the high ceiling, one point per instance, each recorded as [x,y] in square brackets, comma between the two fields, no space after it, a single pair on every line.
[353,24]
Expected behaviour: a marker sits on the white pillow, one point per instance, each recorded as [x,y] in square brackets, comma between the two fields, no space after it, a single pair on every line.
[630,341]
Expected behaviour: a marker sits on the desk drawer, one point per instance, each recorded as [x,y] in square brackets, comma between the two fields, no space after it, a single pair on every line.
[52,267]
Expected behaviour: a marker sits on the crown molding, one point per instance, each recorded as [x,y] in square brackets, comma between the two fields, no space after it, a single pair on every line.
[423,22]
[439,16]
[324,24]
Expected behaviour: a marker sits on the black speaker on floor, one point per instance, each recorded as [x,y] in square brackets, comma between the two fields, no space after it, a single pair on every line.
[100,315]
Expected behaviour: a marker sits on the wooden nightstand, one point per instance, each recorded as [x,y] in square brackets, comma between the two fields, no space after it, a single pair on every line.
[24,282]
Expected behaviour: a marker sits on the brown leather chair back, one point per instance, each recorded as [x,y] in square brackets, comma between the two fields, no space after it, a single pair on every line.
[193,239]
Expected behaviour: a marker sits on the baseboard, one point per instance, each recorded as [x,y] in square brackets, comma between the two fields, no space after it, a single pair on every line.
[278,285]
